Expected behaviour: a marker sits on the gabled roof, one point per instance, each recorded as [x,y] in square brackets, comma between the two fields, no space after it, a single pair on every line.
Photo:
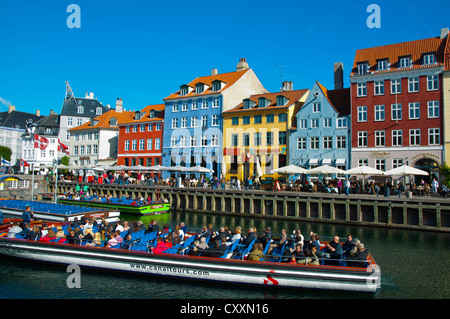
[89,105]
[102,121]
[415,49]
[228,78]
[291,96]
[338,99]
[159,108]
[50,121]
[17,119]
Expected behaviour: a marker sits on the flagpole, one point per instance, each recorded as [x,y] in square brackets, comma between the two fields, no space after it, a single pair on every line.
[32,169]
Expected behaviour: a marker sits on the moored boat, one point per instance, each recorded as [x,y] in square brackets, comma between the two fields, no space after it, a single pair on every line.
[55,212]
[174,262]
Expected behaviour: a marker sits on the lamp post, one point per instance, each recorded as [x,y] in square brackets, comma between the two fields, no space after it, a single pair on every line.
[55,163]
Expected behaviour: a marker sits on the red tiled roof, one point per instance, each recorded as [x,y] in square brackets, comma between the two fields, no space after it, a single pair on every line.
[228,78]
[104,120]
[339,99]
[392,52]
[146,117]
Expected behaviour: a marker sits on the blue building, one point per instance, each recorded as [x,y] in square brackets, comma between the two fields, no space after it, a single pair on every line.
[320,134]
[193,123]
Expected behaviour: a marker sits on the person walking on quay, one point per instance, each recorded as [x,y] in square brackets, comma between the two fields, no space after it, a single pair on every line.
[339,186]
[347,186]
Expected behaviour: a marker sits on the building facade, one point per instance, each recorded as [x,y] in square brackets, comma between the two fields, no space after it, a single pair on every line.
[321,131]
[140,138]
[256,133]
[397,105]
[193,117]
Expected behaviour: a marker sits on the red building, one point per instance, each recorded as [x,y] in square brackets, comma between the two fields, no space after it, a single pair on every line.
[397,104]
[140,138]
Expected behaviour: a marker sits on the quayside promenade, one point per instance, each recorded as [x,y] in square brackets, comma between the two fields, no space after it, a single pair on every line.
[423,212]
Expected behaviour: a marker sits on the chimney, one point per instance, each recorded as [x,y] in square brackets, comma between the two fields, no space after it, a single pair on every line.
[338,76]
[51,112]
[11,108]
[214,72]
[444,33]
[119,105]
[242,65]
[38,113]
[288,86]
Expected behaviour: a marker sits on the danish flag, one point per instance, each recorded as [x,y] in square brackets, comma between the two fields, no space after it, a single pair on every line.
[40,142]
[23,163]
[62,148]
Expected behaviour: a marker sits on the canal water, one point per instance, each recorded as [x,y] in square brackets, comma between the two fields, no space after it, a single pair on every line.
[413,264]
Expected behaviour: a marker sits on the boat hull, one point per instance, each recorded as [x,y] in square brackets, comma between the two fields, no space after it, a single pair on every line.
[151,209]
[198,268]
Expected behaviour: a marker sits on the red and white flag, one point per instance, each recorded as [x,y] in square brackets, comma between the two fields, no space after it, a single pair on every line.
[62,148]
[24,163]
[40,142]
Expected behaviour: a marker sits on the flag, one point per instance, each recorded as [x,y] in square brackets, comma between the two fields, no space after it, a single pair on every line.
[62,148]
[5,162]
[40,142]
[23,163]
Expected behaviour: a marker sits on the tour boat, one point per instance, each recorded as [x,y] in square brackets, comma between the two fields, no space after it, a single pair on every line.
[175,263]
[55,212]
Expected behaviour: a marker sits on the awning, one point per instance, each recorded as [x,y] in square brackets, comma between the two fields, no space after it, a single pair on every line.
[340,161]
[326,161]
[313,161]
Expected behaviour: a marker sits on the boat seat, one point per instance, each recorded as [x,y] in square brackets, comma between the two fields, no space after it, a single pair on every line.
[277,253]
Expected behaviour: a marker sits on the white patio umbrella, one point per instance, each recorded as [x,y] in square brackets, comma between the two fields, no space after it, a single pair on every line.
[290,169]
[199,169]
[325,169]
[258,167]
[364,170]
[405,170]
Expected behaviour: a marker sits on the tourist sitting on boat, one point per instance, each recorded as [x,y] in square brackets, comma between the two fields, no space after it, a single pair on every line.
[88,236]
[297,237]
[297,253]
[160,246]
[222,234]
[267,237]
[360,258]
[49,236]
[280,242]
[312,257]
[15,229]
[257,253]
[176,239]
[204,233]
[247,239]
[165,229]
[333,249]
[236,236]
[193,251]
[217,250]
[127,242]
[72,238]
[349,244]
[180,232]
[152,227]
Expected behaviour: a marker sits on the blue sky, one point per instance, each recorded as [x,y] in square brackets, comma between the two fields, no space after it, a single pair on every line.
[142,51]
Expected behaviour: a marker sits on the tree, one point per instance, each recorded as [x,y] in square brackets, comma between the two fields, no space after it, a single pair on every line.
[444,170]
[5,153]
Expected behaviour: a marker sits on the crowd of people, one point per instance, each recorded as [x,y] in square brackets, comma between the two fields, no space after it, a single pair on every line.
[208,242]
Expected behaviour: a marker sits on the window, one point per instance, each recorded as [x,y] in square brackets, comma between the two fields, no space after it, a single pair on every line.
[341,123]
[134,128]
[316,108]
[382,65]
[183,141]
[363,68]
[362,138]
[281,100]
[303,124]
[301,143]
[193,141]
[82,148]
[184,90]
[363,162]
[269,138]
[205,103]
[235,140]
[199,88]
[149,144]
[433,82]
[397,162]
[215,120]
[127,145]
[157,143]
[341,141]
[397,138]
[175,107]
[194,121]
[235,121]
[282,138]
[247,104]
[270,118]
[257,139]
[362,113]
[127,129]
[396,112]
[75,149]
[216,85]
[262,102]
[183,122]
[79,122]
[327,122]
[414,111]
[174,123]
[379,88]
[158,127]
[141,144]
[429,59]
[314,143]
[433,109]
[133,145]
[150,127]
[184,105]
[246,120]
[204,120]
[396,86]
[314,123]
[142,128]
[257,119]
[327,142]
[216,101]
[380,138]
[214,140]
[173,141]
[80,109]
[379,112]
[282,117]
[195,104]
[414,137]
[434,136]
[69,121]
[380,164]
[361,89]
[405,62]
[413,84]
[246,139]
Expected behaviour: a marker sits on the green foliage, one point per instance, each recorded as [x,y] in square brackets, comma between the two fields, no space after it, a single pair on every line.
[444,170]
[5,153]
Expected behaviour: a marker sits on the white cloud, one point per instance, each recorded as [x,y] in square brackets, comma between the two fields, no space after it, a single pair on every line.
[4,102]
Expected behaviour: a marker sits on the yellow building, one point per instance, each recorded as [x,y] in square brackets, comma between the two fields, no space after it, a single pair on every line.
[256,133]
